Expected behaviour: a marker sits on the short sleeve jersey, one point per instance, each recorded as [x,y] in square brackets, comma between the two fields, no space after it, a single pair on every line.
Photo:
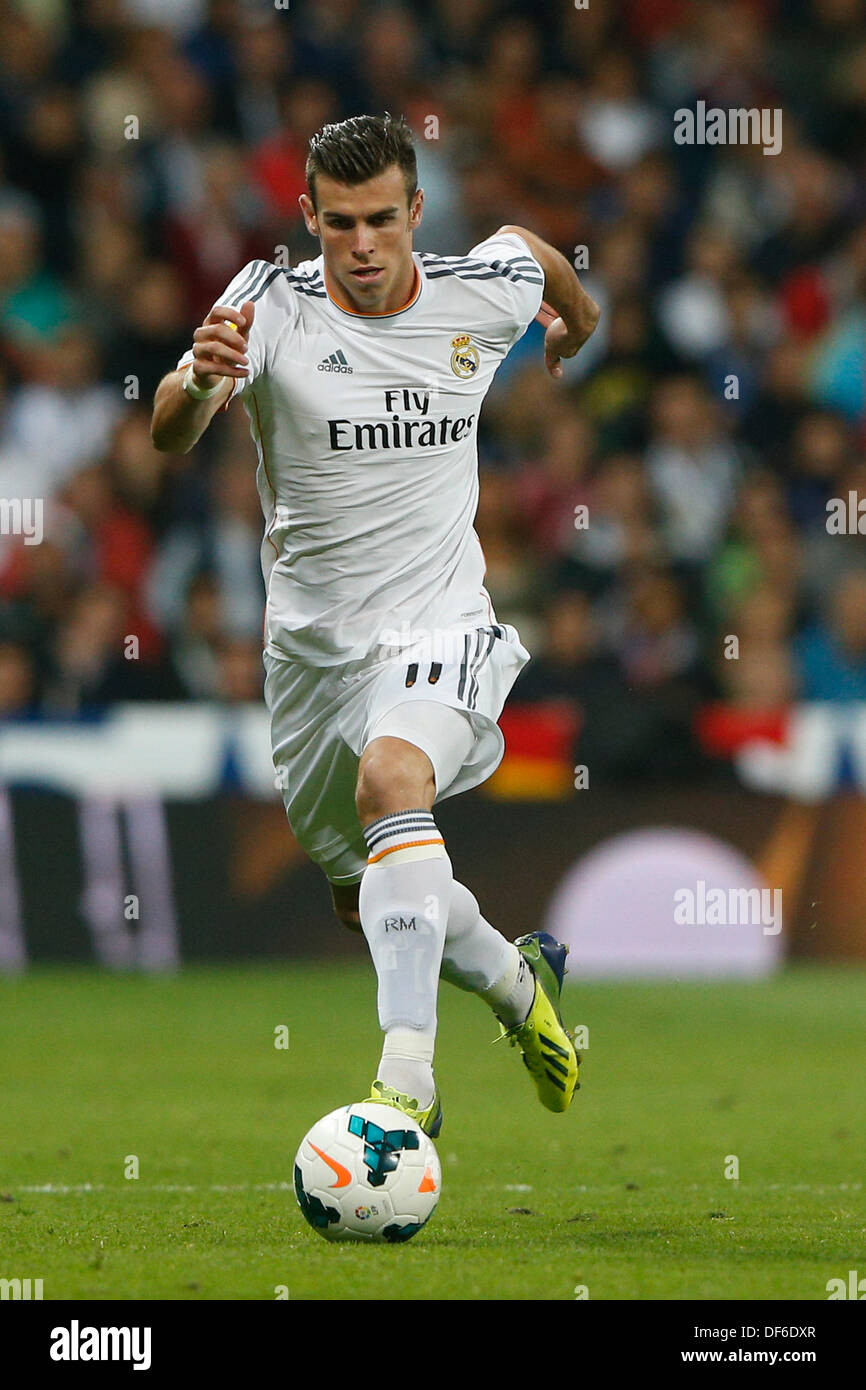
[366,432]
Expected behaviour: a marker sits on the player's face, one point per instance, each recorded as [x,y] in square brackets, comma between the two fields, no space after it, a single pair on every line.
[366,234]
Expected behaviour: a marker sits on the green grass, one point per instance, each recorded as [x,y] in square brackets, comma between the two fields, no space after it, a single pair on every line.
[626,1193]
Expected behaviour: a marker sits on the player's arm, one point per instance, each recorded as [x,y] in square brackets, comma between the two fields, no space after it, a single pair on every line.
[180,415]
[568,312]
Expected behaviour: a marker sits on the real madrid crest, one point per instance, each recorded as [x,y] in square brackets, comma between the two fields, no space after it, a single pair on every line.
[464,358]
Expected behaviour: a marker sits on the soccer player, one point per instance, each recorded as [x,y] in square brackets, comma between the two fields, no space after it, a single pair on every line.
[363,373]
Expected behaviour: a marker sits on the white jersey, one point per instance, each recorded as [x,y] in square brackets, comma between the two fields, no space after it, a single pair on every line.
[366,427]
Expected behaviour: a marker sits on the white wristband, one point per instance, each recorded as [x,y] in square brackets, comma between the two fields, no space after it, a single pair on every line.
[198,393]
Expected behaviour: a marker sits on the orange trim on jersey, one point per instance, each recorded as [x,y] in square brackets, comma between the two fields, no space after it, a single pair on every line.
[359,313]
[410,844]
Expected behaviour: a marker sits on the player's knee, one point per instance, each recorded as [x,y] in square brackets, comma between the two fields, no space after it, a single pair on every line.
[349,919]
[393,776]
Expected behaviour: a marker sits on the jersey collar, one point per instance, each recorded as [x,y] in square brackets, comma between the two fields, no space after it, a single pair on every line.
[389,314]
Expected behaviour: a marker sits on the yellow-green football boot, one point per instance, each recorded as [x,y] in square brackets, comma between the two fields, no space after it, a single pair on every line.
[548,1051]
[430,1120]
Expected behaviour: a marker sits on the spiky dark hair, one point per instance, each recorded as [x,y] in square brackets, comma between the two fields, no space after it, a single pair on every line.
[361,147]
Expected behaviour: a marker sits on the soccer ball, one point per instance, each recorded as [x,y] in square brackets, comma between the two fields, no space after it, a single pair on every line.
[367,1172]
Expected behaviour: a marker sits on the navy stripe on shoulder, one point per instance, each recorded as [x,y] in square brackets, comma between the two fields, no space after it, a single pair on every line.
[262,285]
[473,263]
[314,275]
[442,274]
[256,273]
[256,284]
[312,284]
[488,274]
[508,269]
[452,261]
[514,268]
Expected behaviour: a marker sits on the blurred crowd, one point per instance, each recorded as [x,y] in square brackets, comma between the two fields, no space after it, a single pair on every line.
[668,496]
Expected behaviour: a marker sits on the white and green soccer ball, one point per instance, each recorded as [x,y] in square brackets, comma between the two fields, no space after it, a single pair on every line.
[367,1172]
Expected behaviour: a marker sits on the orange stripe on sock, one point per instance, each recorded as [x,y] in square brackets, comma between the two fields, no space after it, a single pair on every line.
[410,844]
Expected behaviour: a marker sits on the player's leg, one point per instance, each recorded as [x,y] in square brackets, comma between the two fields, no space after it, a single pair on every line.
[412,911]
[403,903]
[522,981]
[524,994]
[318,774]
[476,957]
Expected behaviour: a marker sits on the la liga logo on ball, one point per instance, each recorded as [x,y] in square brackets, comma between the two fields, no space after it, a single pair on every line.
[464,357]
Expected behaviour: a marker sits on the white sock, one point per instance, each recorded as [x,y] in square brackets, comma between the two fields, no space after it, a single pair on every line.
[477,957]
[407,1063]
[404,901]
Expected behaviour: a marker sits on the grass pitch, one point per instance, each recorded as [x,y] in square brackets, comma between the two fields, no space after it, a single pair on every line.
[626,1194]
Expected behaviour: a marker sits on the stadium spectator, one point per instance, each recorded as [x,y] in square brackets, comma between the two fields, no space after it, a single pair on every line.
[692,468]
[831,654]
[17,680]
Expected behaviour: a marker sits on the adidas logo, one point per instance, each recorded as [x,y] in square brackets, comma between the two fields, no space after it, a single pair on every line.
[335,363]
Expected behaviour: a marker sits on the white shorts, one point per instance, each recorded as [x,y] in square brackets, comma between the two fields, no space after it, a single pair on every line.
[322,718]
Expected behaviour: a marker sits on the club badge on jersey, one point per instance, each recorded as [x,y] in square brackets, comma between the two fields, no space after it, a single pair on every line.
[464,358]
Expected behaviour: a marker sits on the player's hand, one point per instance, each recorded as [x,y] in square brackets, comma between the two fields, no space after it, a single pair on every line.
[561,341]
[220,349]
